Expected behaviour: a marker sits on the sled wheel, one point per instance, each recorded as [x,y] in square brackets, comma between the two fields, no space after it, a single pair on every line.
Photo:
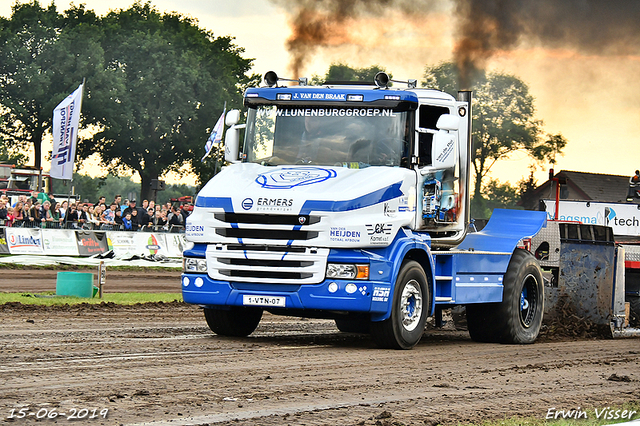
[404,328]
[353,325]
[517,319]
[634,311]
[236,322]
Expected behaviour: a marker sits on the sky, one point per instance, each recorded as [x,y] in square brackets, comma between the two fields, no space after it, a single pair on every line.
[583,89]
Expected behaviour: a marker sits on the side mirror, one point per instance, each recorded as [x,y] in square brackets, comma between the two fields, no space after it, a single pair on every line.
[448,122]
[232,118]
[232,144]
[445,150]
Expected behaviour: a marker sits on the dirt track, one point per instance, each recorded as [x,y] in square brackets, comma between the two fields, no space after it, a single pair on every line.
[41,280]
[160,364]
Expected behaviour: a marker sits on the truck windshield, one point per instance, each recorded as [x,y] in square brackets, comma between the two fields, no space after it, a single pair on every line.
[347,137]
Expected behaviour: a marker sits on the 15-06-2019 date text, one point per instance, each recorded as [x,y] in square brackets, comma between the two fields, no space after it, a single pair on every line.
[54,413]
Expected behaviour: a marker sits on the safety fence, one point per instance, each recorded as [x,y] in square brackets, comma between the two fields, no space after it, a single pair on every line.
[78,242]
[90,226]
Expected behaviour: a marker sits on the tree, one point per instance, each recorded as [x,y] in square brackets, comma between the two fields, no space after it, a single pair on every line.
[503,119]
[10,154]
[343,72]
[175,79]
[83,185]
[551,146]
[44,56]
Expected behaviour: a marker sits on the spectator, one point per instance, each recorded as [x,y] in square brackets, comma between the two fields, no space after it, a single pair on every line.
[34,215]
[185,210]
[10,217]
[118,218]
[34,197]
[130,207]
[161,220]
[135,219]
[63,208]
[150,217]
[52,199]
[124,205]
[71,216]
[175,217]
[3,210]
[84,217]
[45,214]
[126,221]
[117,199]
[152,204]
[109,215]
[145,204]
[102,200]
[42,196]
[56,216]
[21,199]
[93,214]
[18,213]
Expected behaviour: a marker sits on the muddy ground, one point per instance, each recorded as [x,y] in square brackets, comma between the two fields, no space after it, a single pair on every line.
[160,364]
[42,280]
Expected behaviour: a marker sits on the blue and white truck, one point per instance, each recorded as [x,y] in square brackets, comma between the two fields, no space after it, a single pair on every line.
[351,202]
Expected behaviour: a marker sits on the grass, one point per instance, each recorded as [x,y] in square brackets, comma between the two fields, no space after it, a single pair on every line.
[49,298]
[590,420]
[65,267]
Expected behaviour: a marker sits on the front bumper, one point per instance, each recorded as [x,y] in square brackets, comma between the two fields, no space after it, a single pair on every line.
[332,295]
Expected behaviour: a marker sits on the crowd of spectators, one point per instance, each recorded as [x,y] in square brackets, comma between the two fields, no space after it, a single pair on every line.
[44,211]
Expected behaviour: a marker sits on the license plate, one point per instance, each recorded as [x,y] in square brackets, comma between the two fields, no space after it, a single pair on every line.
[264,301]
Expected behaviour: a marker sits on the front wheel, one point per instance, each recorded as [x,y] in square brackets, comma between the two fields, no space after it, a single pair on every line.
[235,322]
[518,318]
[411,303]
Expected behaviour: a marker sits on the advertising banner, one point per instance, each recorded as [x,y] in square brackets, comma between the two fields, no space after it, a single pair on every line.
[65,134]
[91,242]
[624,219]
[60,242]
[122,243]
[175,244]
[148,244]
[24,240]
[4,248]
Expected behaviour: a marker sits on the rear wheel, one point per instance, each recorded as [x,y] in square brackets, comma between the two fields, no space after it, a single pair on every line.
[411,302]
[517,319]
[236,322]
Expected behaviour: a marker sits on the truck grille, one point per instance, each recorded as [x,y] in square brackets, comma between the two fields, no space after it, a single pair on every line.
[250,226]
[267,219]
[266,234]
[266,263]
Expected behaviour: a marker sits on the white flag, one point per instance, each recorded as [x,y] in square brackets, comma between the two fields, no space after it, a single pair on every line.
[216,135]
[65,135]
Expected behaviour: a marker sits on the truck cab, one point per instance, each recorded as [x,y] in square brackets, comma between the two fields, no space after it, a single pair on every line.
[348,202]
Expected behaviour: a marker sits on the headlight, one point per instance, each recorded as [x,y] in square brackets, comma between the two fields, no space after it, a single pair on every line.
[347,271]
[195,265]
